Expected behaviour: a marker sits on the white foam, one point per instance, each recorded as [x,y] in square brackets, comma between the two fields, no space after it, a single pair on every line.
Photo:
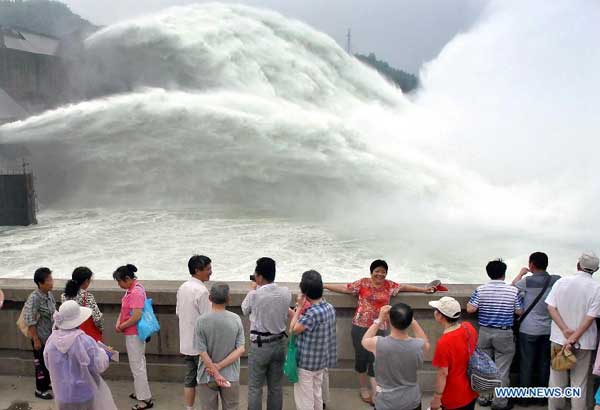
[223,104]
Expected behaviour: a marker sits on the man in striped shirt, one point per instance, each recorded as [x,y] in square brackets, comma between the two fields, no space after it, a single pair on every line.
[496,302]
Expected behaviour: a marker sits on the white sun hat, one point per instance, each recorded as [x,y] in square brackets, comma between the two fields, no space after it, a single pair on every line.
[70,315]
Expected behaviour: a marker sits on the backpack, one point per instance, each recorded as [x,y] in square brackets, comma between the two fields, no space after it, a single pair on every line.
[481,370]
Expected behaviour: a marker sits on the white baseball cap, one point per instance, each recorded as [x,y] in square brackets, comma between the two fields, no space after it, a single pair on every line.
[588,262]
[70,315]
[448,306]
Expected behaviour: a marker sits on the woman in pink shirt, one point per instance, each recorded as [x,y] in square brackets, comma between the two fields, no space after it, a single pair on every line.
[131,312]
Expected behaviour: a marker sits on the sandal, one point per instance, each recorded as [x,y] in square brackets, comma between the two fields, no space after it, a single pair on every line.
[367,399]
[148,404]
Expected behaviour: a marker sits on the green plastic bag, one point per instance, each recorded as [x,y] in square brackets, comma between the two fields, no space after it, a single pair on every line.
[290,367]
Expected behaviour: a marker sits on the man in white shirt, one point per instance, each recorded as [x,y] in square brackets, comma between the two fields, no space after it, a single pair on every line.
[574,305]
[192,302]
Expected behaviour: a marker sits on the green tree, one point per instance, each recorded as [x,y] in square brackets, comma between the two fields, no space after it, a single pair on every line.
[406,81]
[41,16]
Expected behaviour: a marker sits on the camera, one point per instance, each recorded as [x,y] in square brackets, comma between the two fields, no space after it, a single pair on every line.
[253,278]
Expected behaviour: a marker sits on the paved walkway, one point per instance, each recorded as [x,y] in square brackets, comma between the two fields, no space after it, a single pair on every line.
[16,393]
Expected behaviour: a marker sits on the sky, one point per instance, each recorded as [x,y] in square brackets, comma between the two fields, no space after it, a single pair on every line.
[406,33]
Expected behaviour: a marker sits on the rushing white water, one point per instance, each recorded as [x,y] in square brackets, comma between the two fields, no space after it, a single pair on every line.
[217,106]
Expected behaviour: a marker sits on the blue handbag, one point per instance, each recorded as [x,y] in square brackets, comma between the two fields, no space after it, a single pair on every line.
[148,323]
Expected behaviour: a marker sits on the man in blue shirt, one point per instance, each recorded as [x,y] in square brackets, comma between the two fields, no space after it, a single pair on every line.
[496,302]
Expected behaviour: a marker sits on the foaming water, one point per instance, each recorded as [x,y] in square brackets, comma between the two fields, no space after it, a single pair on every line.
[215,106]
[161,241]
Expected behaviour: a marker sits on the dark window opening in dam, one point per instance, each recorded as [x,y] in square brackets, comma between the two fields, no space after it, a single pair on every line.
[17,198]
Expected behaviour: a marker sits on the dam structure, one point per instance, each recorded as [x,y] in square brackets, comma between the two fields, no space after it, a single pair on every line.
[17,197]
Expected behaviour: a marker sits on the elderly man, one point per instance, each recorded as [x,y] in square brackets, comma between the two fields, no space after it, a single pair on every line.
[574,305]
[219,337]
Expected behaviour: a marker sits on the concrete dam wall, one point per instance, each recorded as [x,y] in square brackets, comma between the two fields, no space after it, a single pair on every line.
[17,200]
[162,353]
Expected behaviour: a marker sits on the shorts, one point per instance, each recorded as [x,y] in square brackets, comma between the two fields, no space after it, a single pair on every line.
[191,371]
[363,359]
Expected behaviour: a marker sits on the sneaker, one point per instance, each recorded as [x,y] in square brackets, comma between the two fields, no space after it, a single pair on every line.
[44,396]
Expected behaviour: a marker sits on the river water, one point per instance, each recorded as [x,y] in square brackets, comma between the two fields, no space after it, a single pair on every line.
[238,133]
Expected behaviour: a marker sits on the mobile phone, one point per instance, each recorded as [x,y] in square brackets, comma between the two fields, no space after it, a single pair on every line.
[253,278]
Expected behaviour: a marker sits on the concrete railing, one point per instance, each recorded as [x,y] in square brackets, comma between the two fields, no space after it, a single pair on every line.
[164,361]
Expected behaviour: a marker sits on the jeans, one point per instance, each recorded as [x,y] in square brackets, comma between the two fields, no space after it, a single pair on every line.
[499,344]
[534,361]
[265,364]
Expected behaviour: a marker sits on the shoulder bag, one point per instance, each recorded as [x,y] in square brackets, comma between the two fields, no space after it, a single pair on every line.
[481,369]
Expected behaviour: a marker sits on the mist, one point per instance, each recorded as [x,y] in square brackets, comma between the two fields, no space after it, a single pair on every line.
[222,104]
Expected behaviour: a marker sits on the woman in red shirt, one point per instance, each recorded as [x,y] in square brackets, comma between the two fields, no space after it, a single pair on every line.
[131,313]
[452,387]
[373,293]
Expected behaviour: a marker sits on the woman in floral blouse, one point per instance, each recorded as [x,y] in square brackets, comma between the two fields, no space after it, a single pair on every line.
[373,293]
[76,289]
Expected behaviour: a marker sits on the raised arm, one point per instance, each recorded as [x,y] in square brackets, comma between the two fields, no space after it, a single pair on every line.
[248,302]
[337,287]
[420,334]
[413,288]
[369,340]
[295,327]
[522,272]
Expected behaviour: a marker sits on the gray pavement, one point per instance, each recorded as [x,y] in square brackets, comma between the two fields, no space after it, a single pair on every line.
[16,393]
